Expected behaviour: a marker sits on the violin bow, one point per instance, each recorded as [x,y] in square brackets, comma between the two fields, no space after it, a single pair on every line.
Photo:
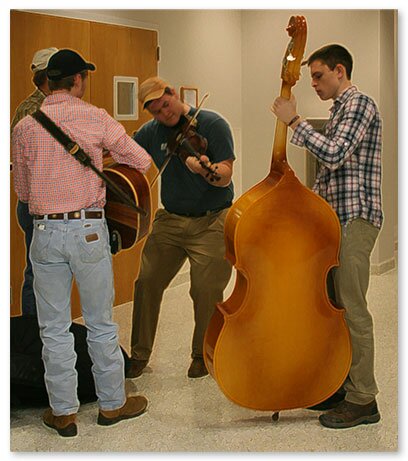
[199,107]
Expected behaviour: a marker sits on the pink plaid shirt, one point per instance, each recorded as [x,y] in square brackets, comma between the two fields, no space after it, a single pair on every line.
[48,177]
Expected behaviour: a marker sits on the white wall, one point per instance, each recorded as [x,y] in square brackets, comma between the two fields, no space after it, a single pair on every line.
[202,48]
[388,74]
[236,56]
[264,42]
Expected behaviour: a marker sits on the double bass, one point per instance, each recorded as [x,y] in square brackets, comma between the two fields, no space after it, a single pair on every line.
[277,342]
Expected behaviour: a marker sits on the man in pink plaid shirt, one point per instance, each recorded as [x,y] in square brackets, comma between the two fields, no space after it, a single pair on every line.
[71,240]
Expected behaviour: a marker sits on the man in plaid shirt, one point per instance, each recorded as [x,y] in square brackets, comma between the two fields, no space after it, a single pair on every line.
[349,153]
[71,239]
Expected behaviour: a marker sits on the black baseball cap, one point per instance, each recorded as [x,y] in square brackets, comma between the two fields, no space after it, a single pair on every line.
[65,63]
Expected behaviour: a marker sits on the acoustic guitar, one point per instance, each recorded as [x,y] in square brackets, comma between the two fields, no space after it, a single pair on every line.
[125,224]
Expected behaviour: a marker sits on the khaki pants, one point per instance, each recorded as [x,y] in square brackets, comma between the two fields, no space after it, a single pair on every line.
[350,283]
[174,239]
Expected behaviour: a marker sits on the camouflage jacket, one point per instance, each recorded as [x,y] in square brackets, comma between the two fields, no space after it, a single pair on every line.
[28,106]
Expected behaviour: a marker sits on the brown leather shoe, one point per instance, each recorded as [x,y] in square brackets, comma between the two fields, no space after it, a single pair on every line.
[136,368]
[348,414]
[197,368]
[65,425]
[134,406]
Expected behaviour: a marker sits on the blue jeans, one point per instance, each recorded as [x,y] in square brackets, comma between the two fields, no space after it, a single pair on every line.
[61,250]
[28,305]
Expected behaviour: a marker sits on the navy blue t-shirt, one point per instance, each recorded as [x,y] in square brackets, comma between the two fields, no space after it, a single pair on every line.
[182,191]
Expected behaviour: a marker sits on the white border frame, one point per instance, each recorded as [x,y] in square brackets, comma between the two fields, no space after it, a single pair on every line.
[120,79]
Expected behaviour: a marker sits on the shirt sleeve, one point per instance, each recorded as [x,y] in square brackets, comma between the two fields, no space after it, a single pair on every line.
[21,112]
[20,169]
[220,141]
[17,117]
[122,147]
[142,137]
[344,138]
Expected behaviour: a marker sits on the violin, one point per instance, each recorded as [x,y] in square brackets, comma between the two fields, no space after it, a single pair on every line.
[186,142]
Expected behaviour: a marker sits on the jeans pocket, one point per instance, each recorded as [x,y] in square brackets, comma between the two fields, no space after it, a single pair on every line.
[41,243]
[217,221]
[92,244]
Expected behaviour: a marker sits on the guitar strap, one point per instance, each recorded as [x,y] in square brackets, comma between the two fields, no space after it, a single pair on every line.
[76,151]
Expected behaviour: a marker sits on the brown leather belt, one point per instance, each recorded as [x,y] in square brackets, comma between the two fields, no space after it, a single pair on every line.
[200,214]
[71,215]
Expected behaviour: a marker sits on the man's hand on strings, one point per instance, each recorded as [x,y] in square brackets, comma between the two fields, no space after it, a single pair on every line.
[284,109]
[193,164]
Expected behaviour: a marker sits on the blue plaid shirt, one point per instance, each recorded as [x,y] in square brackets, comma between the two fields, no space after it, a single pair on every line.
[349,153]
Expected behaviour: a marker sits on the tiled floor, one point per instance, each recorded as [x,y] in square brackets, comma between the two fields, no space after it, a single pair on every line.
[187,415]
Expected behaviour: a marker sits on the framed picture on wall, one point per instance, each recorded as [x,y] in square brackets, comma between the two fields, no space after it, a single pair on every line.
[189,95]
[125,91]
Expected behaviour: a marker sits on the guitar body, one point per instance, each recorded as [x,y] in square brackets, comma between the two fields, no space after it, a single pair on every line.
[123,221]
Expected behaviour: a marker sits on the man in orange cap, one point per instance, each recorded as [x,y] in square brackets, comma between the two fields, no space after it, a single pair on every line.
[189,227]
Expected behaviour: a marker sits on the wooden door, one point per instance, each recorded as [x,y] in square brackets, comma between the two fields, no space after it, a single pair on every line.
[98,43]
[125,52]
[30,32]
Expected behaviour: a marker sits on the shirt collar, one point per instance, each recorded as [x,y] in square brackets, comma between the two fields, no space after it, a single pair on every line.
[55,98]
[342,97]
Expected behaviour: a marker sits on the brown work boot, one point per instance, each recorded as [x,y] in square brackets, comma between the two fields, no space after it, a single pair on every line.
[134,406]
[197,368]
[136,368]
[332,402]
[348,414]
[65,425]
